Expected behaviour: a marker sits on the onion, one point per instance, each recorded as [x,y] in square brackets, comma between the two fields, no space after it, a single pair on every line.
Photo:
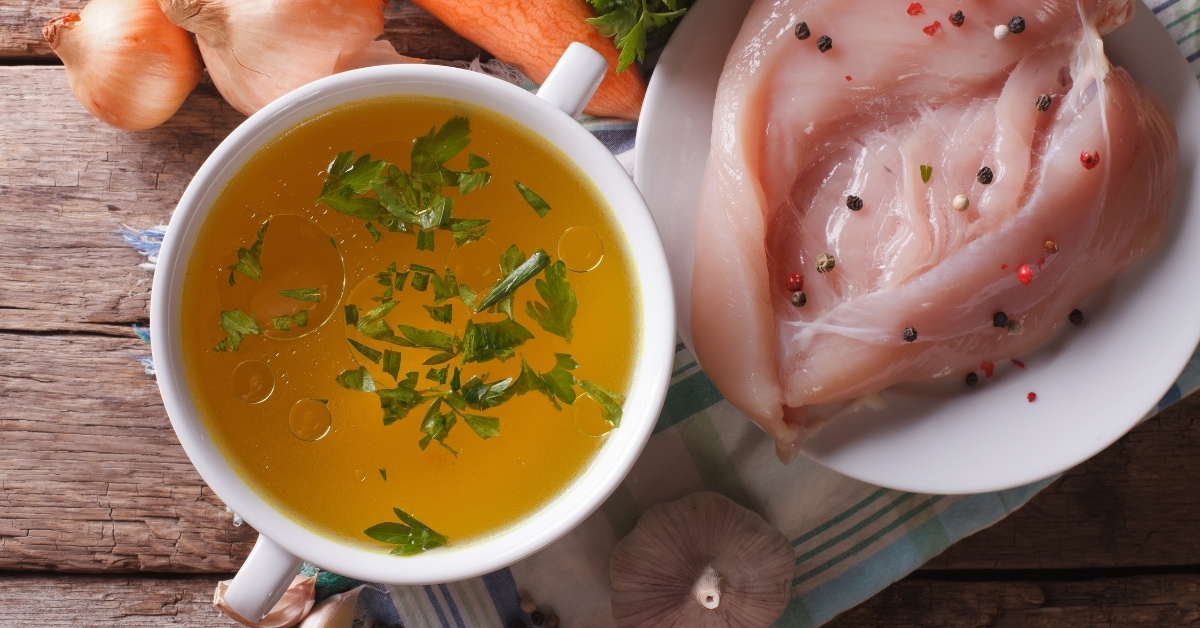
[258,50]
[125,62]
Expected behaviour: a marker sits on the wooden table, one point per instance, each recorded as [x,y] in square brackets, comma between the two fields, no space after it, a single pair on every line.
[104,521]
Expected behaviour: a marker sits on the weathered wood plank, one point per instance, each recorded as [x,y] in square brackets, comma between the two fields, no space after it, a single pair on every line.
[68,182]
[413,31]
[54,600]
[61,600]
[1149,600]
[91,476]
[1134,504]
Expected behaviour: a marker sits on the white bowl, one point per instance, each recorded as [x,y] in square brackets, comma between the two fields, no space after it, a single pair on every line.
[284,542]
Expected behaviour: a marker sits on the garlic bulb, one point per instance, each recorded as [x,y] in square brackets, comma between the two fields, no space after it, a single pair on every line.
[698,562]
[258,50]
[295,604]
[125,62]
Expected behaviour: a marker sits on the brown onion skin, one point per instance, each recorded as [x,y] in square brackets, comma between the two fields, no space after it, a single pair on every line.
[125,62]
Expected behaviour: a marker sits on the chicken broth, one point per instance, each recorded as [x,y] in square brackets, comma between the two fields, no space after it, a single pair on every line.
[424,339]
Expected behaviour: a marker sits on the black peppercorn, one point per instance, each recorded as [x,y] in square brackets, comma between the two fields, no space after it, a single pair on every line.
[972,378]
[799,299]
[1043,102]
[1076,317]
[910,334]
[984,176]
[999,319]
[824,43]
[1016,25]
[537,617]
[957,18]
[802,31]
[517,624]
[854,203]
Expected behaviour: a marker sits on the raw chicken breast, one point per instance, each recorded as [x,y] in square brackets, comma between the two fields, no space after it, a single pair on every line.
[796,131]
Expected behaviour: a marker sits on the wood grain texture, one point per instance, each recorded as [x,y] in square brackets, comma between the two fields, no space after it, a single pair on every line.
[91,476]
[69,182]
[1151,600]
[1133,505]
[410,29]
[60,600]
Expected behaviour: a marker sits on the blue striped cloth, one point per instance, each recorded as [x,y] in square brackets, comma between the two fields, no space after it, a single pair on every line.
[851,539]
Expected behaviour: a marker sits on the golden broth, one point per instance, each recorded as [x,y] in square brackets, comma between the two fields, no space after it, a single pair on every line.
[319,451]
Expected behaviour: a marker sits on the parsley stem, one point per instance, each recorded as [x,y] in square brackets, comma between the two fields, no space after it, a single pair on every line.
[521,274]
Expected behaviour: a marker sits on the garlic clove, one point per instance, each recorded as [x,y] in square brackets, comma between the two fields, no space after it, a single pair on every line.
[125,62]
[295,604]
[701,561]
[258,50]
[335,611]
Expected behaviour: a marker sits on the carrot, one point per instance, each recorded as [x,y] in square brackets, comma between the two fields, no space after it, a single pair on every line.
[533,35]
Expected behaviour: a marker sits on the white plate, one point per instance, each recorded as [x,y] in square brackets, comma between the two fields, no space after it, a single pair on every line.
[1093,383]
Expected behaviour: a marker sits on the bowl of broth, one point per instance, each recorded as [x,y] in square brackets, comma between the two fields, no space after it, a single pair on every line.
[412,323]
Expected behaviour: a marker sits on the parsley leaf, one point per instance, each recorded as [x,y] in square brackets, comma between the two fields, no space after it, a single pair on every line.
[629,22]
[237,324]
[529,381]
[441,314]
[250,260]
[559,379]
[373,355]
[558,311]
[492,341]
[399,401]
[536,202]
[444,289]
[374,327]
[482,395]
[515,278]
[485,426]
[303,294]
[359,380]
[425,240]
[429,339]
[431,151]
[391,363]
[409,536]
[610,402]
[436,426]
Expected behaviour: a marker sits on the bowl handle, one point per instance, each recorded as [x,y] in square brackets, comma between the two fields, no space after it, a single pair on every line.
[574,79]
[262,580]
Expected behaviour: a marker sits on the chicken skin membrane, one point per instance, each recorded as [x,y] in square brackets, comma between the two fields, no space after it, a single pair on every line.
[1079,189]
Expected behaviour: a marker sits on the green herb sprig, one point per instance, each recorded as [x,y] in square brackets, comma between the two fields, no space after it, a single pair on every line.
[411,201]
[410,536]
[630,22]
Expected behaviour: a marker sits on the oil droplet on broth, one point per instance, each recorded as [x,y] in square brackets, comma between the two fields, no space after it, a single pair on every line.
[309,420]
[253,381]
[476,264]
[297,256]
[581,249]
[588,419]
[361,475]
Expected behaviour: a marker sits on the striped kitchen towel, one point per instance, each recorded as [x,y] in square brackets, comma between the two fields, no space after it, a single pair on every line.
[851,539]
